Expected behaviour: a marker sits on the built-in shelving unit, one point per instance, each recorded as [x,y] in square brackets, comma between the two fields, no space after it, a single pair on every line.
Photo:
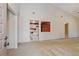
[1,24]
[3,17]
[34,29]
[1,20]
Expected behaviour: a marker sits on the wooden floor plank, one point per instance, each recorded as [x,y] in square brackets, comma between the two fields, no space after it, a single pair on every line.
[60,47]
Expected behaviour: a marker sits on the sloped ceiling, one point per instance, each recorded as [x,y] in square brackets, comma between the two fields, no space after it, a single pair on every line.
[71,8]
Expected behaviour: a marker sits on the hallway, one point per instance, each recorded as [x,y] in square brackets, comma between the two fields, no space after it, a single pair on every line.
[60,47]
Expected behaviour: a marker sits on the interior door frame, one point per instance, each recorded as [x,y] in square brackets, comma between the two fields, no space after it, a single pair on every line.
[66,30]
[15,15]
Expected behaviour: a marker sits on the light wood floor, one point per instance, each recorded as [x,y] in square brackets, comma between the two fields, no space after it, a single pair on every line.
[61,47]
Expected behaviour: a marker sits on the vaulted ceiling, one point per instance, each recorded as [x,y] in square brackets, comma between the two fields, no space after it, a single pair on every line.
[71,8]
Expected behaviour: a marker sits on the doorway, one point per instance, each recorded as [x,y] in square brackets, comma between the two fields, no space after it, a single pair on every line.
[11,29]
[66,30]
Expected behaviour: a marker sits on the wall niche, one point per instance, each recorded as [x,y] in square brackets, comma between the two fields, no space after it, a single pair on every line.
[45,26]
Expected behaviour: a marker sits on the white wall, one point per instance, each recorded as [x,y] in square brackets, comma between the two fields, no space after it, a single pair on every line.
[77,25]
[45,12]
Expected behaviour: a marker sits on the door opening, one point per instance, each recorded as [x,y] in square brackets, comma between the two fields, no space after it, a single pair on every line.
[11,30]
[66,30]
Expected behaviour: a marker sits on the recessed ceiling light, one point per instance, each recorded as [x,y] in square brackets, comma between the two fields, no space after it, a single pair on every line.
[73,11]
[33,12]
[61,16]
[77,12]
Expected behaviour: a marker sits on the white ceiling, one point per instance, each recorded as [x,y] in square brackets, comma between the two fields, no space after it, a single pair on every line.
[72,8]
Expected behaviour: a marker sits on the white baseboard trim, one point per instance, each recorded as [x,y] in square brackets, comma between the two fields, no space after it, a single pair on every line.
[49,39]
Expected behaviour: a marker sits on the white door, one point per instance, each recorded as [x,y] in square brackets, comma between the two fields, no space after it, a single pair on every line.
[12,30]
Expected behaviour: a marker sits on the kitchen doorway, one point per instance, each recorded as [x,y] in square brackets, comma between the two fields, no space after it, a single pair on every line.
[66,30]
